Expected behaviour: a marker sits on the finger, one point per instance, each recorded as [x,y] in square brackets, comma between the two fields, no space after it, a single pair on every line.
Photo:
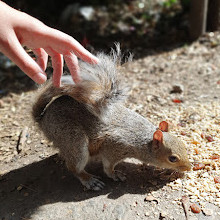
[57,64]
[72,63]
[64,43]
[42,58]
[18,55]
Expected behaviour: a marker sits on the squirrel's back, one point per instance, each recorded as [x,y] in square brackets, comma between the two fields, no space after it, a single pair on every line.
[98,89]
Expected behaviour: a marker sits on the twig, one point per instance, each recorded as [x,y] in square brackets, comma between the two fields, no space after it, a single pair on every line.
[28,188]
[21,140]
[185,204]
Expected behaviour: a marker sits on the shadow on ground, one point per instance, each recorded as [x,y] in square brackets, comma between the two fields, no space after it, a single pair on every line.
[24,190]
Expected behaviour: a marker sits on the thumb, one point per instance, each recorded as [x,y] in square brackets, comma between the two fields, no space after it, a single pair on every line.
[18,55]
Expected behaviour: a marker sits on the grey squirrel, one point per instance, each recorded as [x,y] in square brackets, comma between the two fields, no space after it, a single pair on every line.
[89,119]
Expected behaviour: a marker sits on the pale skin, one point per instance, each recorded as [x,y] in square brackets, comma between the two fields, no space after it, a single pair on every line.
[18,29]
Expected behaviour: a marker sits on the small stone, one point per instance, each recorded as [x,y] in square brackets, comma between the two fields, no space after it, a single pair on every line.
[150,198]
[163,214]
[194,117]
[43,141]
[177,89]
[15,152]
[13,109]
[207,212]
[147,214]
[15,123]
[19,188]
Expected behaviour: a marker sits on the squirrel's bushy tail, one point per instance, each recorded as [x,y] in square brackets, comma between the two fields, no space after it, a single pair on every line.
[99,87]
[46,95]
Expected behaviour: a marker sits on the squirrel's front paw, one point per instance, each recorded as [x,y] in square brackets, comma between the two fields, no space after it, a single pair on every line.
[118,176]
[94,184]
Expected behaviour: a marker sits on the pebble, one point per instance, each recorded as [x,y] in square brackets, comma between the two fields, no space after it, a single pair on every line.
[163,214]
[19,188]
[177,89]
[43,141]
[207,212]
[147,214]
[150,198]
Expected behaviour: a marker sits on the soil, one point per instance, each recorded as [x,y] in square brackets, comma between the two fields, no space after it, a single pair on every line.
[179,84]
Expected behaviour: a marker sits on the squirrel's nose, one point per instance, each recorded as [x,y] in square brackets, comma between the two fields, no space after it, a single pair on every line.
[185,167]
[188,167]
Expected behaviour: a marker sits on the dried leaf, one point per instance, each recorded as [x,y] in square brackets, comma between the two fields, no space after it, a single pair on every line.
[217,179]
[196,151]
[215,157]
[195,142]
[198,166]
[185,204]
[177,101]
[209,138]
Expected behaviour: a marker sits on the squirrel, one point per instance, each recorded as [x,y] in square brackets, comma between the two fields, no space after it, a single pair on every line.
[89,119]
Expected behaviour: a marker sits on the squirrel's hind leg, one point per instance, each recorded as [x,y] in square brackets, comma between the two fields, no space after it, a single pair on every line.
[76,161]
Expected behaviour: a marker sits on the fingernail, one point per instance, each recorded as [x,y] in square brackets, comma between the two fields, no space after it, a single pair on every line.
[39,78]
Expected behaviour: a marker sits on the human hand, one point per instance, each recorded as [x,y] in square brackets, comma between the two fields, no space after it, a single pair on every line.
[18,28]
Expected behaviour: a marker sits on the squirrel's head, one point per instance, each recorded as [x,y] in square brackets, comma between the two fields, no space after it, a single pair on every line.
[169,152]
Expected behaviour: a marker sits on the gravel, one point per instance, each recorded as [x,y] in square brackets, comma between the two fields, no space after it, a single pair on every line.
[34,183]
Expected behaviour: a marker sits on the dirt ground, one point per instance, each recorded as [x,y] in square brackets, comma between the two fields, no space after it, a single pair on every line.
[179,84]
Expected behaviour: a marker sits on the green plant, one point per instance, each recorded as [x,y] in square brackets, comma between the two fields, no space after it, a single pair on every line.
[169,3]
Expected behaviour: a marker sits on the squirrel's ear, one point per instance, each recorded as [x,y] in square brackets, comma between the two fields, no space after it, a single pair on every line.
[157,139]
[158,136]
[163,126]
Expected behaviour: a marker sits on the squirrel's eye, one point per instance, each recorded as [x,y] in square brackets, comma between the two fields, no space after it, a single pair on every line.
[173,159]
